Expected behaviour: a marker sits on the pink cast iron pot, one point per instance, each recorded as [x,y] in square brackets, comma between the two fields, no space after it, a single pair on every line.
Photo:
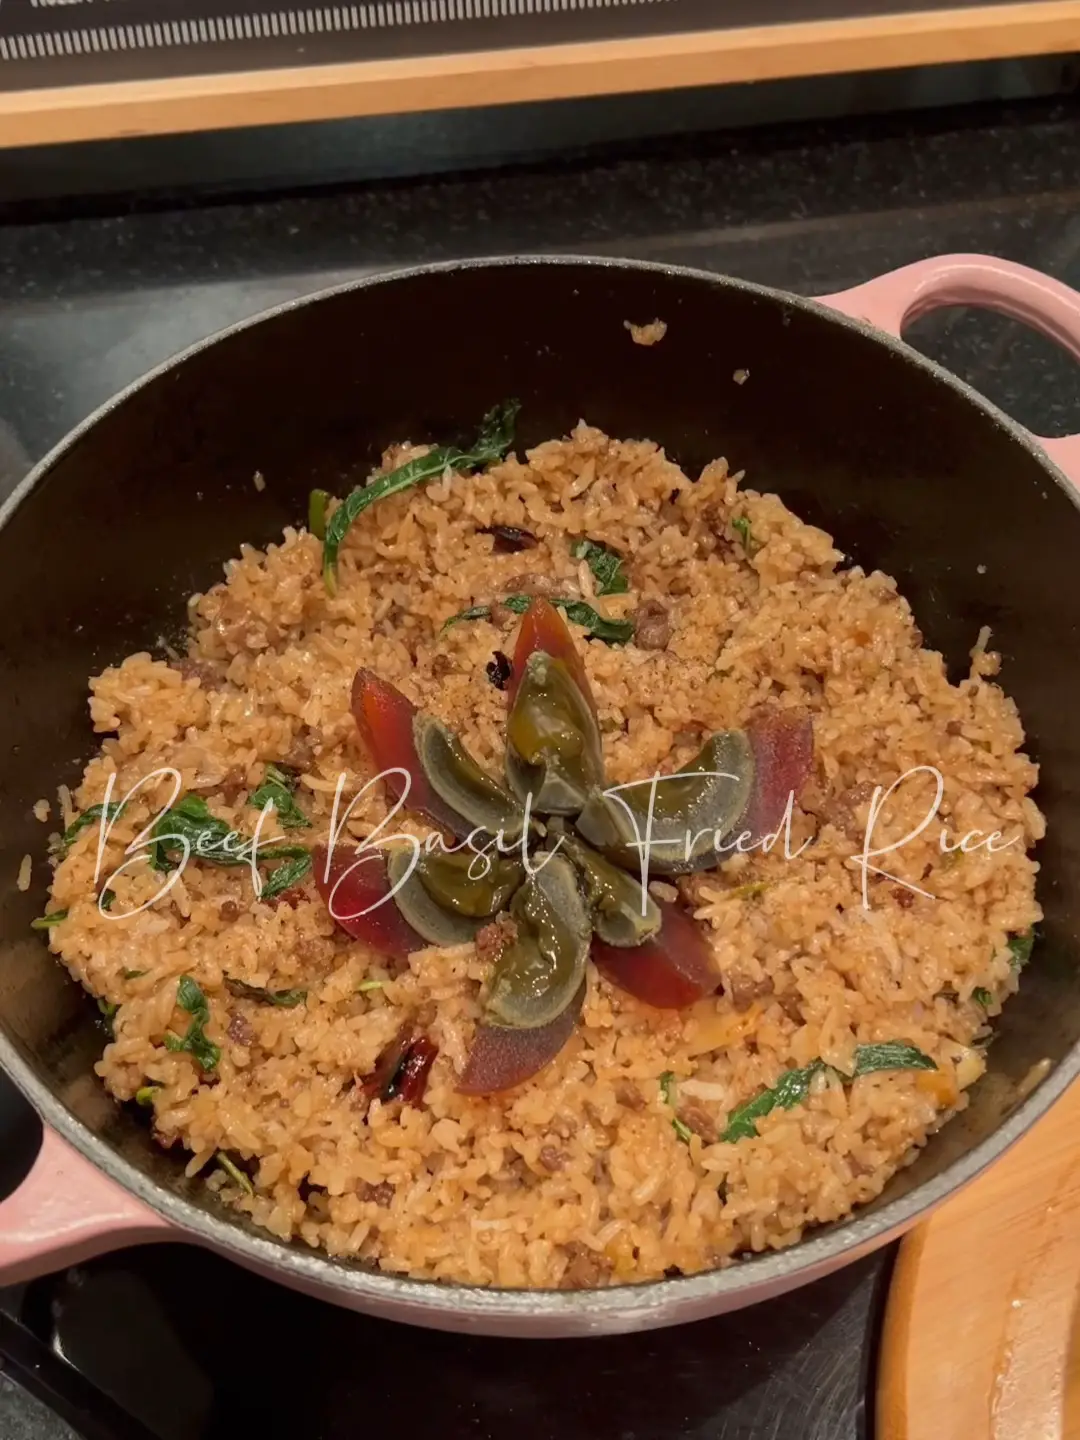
[906,466]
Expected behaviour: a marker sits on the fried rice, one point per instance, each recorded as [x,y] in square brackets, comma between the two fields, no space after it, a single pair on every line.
[577,1177]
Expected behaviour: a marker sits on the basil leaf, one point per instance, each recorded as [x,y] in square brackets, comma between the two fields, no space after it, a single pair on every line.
[890,1055]
[491,444]
[791,1089]
[132,974]
[1021,947]
[316,513]
[741,526]
[285,998]
[88,817]
[753,891]
[287,776]
[190,998]
[233,1171]
[982,997]
[276,790]
[605,564]
[474,612]
[106,900]
[612,632]
[667,1090]
[208,838]
[296,868]
[46,922]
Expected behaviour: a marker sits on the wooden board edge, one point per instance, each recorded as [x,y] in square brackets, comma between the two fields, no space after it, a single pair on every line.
[980,1335]
[496,77]
[891,1421]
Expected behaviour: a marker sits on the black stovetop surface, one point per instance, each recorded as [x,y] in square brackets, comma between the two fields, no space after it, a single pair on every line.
[172,1343]
[176,1343]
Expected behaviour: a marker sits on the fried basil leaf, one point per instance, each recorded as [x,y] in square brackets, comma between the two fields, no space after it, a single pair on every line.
[491,444]
[605,563]
[277,790]
[793,1087]
[611,632]
[190,997]
[285,998]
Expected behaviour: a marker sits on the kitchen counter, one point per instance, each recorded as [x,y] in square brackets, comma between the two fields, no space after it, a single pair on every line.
[89,304]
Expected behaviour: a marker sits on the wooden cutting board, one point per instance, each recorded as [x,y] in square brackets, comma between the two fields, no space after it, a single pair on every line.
[982,1330]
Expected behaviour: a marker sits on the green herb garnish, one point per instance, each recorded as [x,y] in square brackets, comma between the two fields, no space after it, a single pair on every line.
[132,974]
[46,922]
[233,1171]
[1021,947]
[982,997]
[491,444]
[370,985]
[107,1008]
[890,1055]
[207,838]
[316,513]
[612,632]
[667,1090]
[285,998]
[190,998]
[474,612]
[605,564]
[741,526]
[277,790]
[87,818]
[297,866]
[793,1087]
[210,839]
[144,1096]
[753,891]
[106,900]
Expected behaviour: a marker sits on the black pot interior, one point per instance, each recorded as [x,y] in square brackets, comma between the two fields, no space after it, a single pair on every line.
[905,471]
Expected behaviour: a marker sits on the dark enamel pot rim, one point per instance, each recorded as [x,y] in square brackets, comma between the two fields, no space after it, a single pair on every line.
[623,1307]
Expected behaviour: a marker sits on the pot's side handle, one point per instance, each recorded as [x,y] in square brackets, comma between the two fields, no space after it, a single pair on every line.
[892,301]
[66,1211]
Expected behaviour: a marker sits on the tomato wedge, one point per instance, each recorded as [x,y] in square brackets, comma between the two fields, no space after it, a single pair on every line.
[384,717]
[670,971]
[783,746]
[543,628]
[355,889]
[501,1058]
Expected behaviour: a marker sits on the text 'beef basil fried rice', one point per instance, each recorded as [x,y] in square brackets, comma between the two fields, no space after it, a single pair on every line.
[315,1078]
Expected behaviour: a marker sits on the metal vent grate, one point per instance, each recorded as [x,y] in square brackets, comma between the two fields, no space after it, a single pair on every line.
[317,20]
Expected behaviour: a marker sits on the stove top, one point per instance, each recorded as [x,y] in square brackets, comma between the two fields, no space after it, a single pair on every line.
[170,1343]
[174,1343]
